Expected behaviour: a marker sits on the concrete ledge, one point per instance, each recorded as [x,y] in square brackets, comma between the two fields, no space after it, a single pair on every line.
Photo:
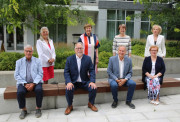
[54,95]
[172,64]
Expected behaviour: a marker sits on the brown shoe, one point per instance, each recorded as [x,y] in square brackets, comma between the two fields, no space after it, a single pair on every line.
[68,110]
[92,107]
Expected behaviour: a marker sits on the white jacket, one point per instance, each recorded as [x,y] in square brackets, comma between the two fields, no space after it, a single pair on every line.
[160,43]
[44,52]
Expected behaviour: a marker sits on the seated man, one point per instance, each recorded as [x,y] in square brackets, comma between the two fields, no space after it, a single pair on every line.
[79,73]
[28,74]
[120,73]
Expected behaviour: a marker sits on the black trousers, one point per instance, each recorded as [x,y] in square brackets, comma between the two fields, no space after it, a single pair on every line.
[21,93]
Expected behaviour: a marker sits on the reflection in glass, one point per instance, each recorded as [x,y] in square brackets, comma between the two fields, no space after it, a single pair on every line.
[110,29]
[111,14]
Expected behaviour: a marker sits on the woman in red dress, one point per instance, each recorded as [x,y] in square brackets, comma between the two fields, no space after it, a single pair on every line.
[46,53]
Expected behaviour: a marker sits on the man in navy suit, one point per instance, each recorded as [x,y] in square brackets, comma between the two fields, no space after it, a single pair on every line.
[120,73]
[79,73]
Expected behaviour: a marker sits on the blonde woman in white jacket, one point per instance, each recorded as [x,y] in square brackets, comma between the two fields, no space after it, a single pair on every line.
[156,39]
[46,53]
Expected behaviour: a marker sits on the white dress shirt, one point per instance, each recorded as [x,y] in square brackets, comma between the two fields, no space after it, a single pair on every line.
[121,67]
[79,66]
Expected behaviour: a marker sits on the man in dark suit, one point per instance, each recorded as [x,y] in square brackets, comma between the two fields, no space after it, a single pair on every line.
[79,73]
[120,73]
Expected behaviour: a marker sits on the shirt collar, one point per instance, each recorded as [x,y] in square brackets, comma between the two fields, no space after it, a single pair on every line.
[28,61]
[78,57]
[119,58]
[87,35]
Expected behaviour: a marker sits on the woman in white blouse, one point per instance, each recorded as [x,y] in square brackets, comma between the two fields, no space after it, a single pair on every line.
[156,39]
[46,53]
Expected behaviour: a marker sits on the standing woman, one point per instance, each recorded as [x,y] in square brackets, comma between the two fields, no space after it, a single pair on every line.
[156,39]
[90,44]
[122,39]
[46,53]
[153,71]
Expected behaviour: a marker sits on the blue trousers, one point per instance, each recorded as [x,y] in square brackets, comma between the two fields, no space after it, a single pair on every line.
[131,87]
[21,93]
[70,93]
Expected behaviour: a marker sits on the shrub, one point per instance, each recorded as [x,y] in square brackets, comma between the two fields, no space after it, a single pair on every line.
[104,59]
[105,45]
[138,50]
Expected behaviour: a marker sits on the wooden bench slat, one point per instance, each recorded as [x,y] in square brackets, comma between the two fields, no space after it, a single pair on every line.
[103,86]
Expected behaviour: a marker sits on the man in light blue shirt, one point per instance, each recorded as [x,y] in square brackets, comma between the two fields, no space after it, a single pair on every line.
[28,74]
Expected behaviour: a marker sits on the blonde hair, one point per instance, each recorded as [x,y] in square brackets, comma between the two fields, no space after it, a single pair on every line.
[41,30]
[154,46]
[159,27]
[122,26]
[87,25]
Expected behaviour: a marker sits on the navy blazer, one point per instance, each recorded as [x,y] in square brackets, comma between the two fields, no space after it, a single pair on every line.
[71,70]
[159,67]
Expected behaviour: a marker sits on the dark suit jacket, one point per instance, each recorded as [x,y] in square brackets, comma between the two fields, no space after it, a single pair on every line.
[71,70]
[159,67]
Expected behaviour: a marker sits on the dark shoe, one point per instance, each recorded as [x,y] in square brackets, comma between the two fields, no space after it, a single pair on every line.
[38,113]
[23,114]
[92,107]
[114,104]
[130,105]
[68,110]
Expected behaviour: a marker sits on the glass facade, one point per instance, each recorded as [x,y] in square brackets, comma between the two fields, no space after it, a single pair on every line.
[145,27]
[58,32]
[117,17]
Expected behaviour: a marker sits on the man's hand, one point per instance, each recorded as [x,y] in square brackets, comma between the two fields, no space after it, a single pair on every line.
[26,86]
[118,81]
[69,86]
[92,85]
[122,82]
[31,87]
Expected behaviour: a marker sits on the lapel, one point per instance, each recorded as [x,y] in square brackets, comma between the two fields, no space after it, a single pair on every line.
[32,65]
[82,62]
[24,67]
[75,62]
[117,64]
[46,45]
[125,64]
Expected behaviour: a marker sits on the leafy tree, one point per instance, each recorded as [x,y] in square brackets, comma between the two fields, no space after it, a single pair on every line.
[167,15]
[36,13]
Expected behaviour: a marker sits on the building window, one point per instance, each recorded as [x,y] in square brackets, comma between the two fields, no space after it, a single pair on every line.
[145,26]
[58,32]
[14,41]
[117,17]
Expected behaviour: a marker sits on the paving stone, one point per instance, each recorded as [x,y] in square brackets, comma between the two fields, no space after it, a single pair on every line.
[174,119]
[57,113]
[125,117]
[161,114]
[88,119]
[153,120]
[4,117]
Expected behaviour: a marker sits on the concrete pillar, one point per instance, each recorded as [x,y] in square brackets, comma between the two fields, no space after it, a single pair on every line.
[137,25]
[102,23]
[28,36]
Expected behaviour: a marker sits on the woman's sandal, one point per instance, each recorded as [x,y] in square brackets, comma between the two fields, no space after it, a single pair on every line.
[156,102]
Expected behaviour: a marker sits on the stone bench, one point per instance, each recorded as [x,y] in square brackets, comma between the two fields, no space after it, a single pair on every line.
[102,86]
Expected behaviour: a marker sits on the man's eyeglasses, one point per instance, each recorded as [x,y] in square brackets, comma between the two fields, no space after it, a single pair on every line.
[28,51]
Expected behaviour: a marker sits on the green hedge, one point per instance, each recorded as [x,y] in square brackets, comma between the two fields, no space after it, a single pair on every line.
[8,59]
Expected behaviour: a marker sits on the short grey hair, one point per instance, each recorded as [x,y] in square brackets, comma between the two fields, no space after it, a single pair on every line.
[41,30]
[122,46]
[78,43]
[28,46]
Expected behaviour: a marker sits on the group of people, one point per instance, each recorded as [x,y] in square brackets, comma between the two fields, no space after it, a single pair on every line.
[80,69]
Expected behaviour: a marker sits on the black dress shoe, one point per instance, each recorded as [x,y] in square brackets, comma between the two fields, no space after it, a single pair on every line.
[130,105]
[114,104]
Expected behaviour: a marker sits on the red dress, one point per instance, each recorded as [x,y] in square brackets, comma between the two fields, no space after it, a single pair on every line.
[48,72]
